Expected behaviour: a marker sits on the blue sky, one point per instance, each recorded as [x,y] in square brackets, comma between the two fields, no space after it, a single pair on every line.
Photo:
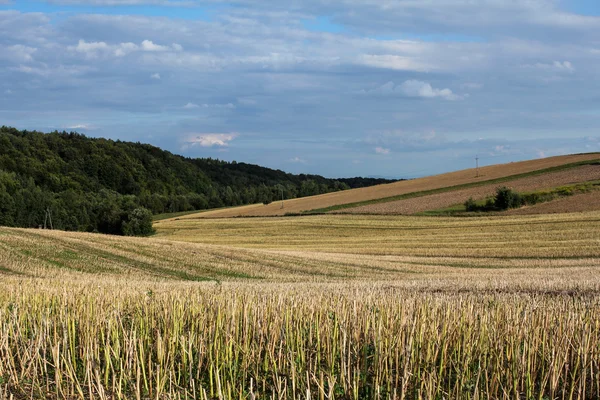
[346,88]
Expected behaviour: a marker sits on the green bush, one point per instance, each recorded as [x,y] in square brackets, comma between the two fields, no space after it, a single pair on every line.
[506,198]
[471,205]
[565,191]
[139,223]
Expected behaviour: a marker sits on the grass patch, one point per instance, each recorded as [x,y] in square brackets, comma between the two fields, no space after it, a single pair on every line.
[451,188]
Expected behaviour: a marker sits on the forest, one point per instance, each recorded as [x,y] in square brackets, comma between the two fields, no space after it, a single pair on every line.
[101,185]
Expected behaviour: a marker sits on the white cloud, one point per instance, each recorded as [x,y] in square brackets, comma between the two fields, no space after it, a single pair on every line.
[298,160]
[8,91]
[556,66]
[209,140]
[125,48]
[148,45]
[155,76]
[395,62]
[84,127]
[90,49]
[415,88]
[96,49]
[59,71]
[191,106]
[18,52]
[382,150]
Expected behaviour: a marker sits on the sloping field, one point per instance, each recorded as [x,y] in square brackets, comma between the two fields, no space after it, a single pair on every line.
[312,248]
[578,203]
[394,189]
[51,254]
[529,237]
[550,180]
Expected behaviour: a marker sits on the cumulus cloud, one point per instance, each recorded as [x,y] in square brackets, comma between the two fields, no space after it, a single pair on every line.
[148,45]
[191,106]
[155,76]
[297,160]
[96,49]
[382,150]
[415,88]
[209,140]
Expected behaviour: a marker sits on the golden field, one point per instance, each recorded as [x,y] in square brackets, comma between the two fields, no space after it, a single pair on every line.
[467,176]
[319,307]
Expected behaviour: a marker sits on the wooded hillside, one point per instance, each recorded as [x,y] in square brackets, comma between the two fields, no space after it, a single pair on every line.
[93,184]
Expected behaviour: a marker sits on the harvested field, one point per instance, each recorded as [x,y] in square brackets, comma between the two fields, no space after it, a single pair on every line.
[395,189]
[441,200]
[330,306]
[577,203]
[559,236]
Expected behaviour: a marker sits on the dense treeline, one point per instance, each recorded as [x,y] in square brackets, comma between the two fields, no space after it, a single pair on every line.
[113,187]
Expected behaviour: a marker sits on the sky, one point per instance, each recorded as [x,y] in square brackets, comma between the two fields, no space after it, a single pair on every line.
[389,88]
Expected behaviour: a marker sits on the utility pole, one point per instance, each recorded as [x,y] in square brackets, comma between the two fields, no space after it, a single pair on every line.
[477,166]
[48,217]
[281,188]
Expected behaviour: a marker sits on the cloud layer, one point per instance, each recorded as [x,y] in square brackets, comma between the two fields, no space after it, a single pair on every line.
[353,87]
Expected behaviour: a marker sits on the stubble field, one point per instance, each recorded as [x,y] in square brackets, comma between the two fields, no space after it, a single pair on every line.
[441,200]
[379,192]
[344,307]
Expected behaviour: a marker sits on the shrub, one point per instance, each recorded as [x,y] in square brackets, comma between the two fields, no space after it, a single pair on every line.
[565,191]
[506,198]
[139,223]
[471,205]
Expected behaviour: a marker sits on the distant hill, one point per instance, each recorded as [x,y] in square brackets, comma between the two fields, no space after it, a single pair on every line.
[424,193]
[90,184]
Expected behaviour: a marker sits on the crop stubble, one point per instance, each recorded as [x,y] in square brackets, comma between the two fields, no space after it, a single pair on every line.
[441,200]
[345,307]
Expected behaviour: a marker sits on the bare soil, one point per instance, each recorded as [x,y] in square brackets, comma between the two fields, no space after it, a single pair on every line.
[577,203]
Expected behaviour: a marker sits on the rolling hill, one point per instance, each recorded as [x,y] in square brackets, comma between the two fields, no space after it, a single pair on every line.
[533,174]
